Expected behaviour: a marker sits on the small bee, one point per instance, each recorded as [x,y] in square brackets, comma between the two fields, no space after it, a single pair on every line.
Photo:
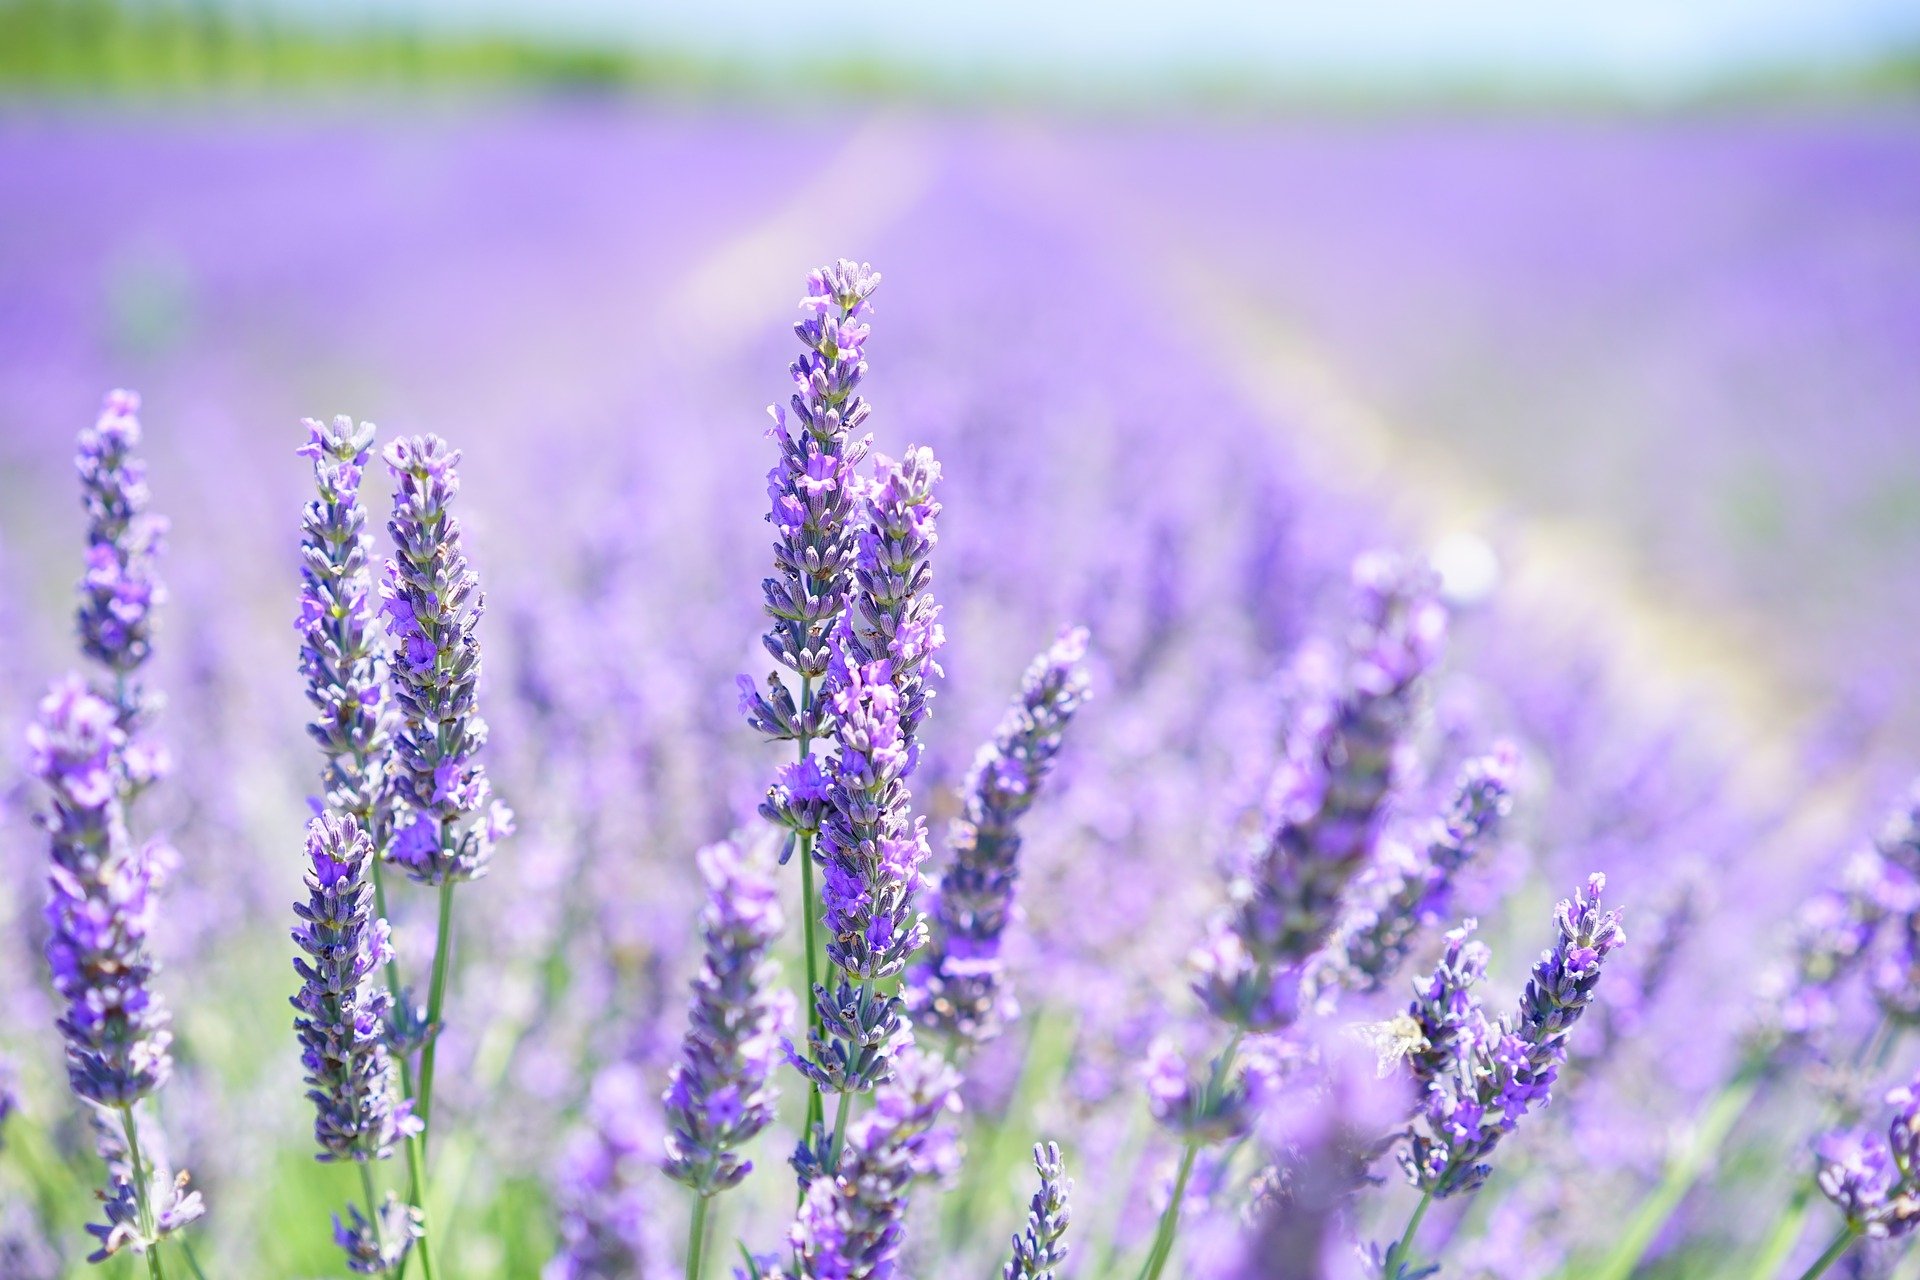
[1393,1041]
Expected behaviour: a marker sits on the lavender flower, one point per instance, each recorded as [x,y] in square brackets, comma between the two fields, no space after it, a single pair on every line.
[1043,1245]
[1413,886]
[958,989]
[1505,1070]
[1222,1107]
[893,617]
[872,854]
[851,1224]
[1875,1182]
[1445,1013]
[349,1072]
[813,489]
[137,1189]
[1331,789]
[338,652]
[376,1246]
[719,1096]
[100,906]
[606,1187]
[120,589]
[433,603]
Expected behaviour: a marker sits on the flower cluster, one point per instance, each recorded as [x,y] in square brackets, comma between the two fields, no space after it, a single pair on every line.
[719,1096]
[349,1073]
[100,906]
[851,1223]
[339,653]
[607,1184]
[1875,1181]
[120,589]
[433,604]
[1042,1247]
[958,989]
[1411,884]
[1500,1071]
[893,617]
[1343,759]
[814,490]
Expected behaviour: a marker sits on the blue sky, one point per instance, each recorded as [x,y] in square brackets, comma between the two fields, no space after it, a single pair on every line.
[1652,42]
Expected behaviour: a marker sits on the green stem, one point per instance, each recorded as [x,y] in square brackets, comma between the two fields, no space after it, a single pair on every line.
[697,1238]
[1785,1233]
[142,1186]
[1403,1249]
[373,1206]
[840,1114]
[193,1263]
[1170,1220]
[1684,1170]
[1841,1243]
[436,999]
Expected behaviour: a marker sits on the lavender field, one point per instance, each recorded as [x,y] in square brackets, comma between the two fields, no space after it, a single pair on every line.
[1361,688]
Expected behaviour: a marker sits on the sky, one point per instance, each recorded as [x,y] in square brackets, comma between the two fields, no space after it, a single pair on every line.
[1647,42]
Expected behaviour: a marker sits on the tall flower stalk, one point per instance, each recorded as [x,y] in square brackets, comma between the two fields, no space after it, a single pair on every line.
[959,990]
[93,753]
[720,1095]
[342,1028]
[814,490]
[1343,760]
[340,660]
[445,819]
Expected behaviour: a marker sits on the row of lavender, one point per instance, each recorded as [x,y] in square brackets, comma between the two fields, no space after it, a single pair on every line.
[1328,901]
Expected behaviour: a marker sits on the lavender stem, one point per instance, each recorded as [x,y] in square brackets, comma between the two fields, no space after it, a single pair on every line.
[809,908]
[1170,1219]
[142,1183]
[436,997]
[373,1203]
[1841,1243]
[697,1237]
[1403,1250]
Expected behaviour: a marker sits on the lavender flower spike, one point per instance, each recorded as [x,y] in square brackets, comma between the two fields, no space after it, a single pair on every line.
[1504,1071]
[1342,763]
[120,589]
[100,907]
[872,854]
[1412,886]
[1043,1246]
[851,1224]
[339,654]
[433,604]
[813,491]
[607,1188]
[342,1009]
[894,618]
[958,989]
[100,911]
[719,1096]
[1875,1182]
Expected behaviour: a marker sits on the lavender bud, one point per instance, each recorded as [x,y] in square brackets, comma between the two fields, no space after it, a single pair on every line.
[958,990]
[1043,1246]
[1445,1012]
[433,604]
[719,1096]
[343,1011]
[339,655]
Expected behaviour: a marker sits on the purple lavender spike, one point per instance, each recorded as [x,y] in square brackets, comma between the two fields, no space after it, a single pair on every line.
[958,990]
[851,1225]
[339,649]
[814,489]
[1042,1247]
[1502,1071]
[608,1187]
[120,589]
[720,1095]
[433,604]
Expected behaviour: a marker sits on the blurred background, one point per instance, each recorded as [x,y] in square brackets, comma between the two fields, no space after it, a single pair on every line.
[1612,308]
